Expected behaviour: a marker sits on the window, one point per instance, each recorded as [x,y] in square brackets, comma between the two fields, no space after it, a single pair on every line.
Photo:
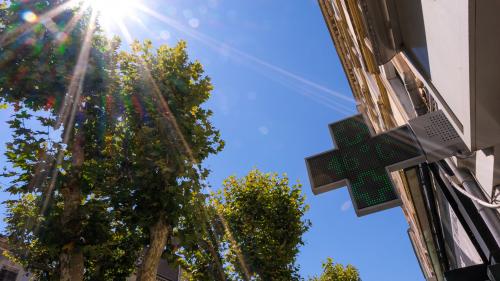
[7,275]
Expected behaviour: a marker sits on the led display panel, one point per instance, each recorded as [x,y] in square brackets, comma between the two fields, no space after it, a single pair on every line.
[362,162]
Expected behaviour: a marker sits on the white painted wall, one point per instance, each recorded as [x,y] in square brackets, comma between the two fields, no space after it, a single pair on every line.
[447,33]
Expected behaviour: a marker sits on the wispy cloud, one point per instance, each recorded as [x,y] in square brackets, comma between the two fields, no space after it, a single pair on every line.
[346,206]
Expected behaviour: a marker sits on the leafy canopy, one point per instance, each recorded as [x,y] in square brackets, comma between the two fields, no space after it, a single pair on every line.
[337,272]
[264,217]
[154,155]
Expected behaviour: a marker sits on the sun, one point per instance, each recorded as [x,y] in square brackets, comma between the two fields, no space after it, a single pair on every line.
[113,15]
[114,9]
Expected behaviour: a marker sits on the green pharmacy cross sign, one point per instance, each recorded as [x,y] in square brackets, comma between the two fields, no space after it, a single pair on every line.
[362,162]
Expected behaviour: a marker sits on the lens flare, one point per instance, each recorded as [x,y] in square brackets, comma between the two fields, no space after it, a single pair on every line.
[29,16]
[116,9]
[114,14]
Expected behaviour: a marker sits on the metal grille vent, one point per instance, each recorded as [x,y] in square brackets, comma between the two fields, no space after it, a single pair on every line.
[437,136]
[439,126]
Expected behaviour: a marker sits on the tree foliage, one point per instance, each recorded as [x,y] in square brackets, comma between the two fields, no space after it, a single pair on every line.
[107,159]
[337,272]
[165,135]
[203,244]
[264,224]
[60,217]
[168,132]
[107,147]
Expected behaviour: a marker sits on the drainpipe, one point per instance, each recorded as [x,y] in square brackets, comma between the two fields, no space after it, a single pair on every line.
[490,216]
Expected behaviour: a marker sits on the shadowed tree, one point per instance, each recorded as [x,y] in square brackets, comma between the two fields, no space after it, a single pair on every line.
[56,71]
[144,123]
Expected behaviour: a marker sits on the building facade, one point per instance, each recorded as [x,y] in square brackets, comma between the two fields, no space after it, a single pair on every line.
[10,271]
[405,59]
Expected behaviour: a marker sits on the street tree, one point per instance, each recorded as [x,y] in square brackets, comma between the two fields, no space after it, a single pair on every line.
[56,67]
[167,136]
[202,244]
[62,226]
[337,272]
[263,215]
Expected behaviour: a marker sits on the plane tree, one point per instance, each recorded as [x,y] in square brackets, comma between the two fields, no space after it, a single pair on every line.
[201,242]
[57,75]
[167,135]
[337,272]
[116,161]
[250,229]
[73,218]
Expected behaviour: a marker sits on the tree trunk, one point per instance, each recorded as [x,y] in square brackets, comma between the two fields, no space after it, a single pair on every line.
[212,240]
[158,235]
[71,266]
[71,257]
[71,263]
[217,259]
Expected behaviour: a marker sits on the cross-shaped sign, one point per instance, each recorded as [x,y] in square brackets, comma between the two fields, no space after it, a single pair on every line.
[362,162]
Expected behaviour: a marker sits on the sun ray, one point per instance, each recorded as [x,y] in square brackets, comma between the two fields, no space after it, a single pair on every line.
[46,18]
[144,27]
[70,106]
[325,100]
[124,30]
[238,54]
[165,108]
[235,245]
[72,23]
[114,12]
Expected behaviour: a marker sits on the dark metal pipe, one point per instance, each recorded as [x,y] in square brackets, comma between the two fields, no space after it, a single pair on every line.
[432,213]
[470,184]
[452,199]
[469,218]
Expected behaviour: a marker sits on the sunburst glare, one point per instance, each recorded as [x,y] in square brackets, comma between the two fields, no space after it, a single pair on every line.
[113,14]
[116,9]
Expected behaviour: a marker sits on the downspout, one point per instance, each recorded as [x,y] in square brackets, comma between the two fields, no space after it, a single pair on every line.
[490,216]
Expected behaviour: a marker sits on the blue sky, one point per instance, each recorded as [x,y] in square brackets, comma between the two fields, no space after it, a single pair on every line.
[278,84]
